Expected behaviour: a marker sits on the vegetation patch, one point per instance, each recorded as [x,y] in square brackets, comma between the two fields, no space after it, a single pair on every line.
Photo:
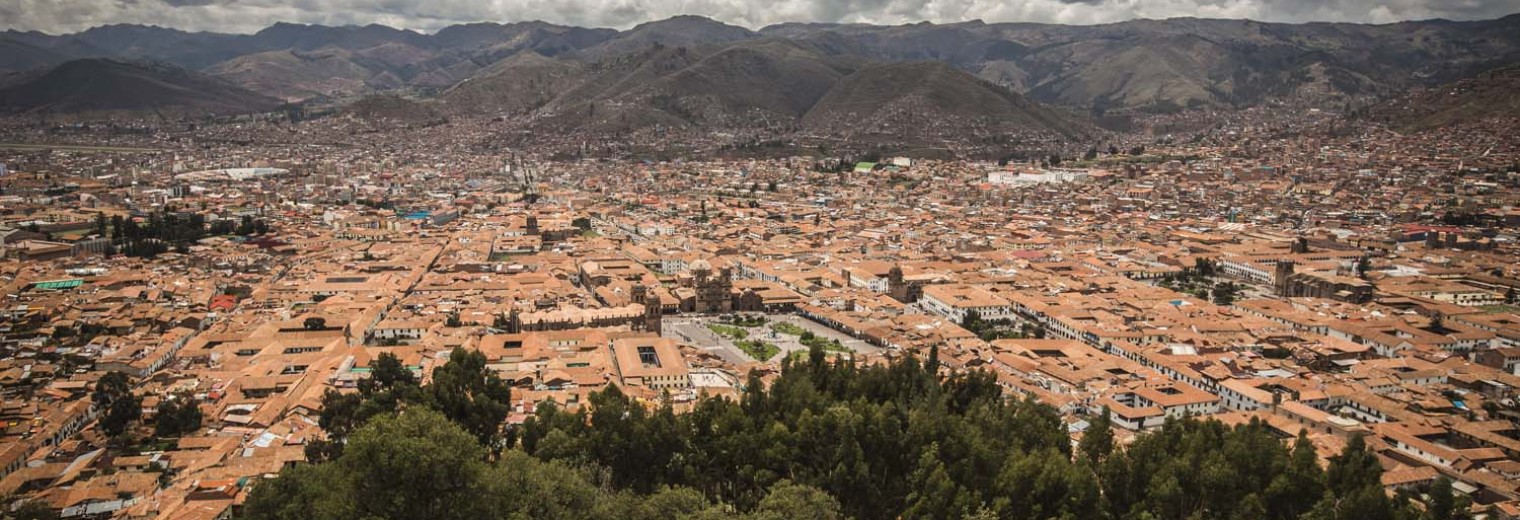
[759,350]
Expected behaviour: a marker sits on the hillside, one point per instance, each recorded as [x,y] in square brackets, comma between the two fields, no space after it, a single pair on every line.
[929,99]
[679,31]
[1150,65]
[515,85]
[296,75]
[767,84]
[1487,95]
[111,86]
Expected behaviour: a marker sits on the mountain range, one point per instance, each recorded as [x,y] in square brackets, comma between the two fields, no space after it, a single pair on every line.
[830,78]
[107,87]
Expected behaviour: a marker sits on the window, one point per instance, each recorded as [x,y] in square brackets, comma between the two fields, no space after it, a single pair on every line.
[648,357]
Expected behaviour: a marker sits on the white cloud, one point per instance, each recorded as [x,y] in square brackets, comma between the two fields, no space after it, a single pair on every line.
[59,16]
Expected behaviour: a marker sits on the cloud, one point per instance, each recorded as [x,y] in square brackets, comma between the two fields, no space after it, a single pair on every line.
[243,16]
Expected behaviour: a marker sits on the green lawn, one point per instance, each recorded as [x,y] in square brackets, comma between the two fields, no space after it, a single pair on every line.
[828,345]
[759,350]
[787,328]
[728,331]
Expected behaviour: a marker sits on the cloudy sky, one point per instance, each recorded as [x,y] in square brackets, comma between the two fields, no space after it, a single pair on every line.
[59,16]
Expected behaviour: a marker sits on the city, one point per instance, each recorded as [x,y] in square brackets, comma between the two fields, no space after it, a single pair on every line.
[202,311]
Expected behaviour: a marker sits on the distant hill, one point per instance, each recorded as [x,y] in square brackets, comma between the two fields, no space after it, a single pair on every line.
[294,74]
[516,85]
[679,31]
[1146,65]
[395,110]
[1492,94]
[929,98]
[751,84]
[774,85]
[112,86]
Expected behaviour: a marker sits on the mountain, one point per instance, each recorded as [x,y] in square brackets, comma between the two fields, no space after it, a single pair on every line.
[394,110]
[929,99]
[516,85]
[19,55]
[542,38]
[309,37]
[111,86]
[773,85]
[1186,62]
[679,31]
[1149,65]
[1485,96]
[294,75]
[752,84]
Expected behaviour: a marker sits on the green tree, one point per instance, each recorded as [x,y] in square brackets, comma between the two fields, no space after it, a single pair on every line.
[1224,293]
[177,415]
[1355,487]
[314,323]
[1300,486]
[935,494]
[113,393]
[1098,441]
[411,465]
[471,394]
[790,501]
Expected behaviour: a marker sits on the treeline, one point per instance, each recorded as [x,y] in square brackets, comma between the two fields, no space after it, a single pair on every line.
[163,229]
[824,440]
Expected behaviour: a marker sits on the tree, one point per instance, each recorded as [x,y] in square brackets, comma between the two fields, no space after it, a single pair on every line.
[1295,491]
[177,415]
[471,394]
[1437,323]
[113,393]
[789,501]
[1510,297]
[891,440]
[1224,293]
[413,465]
[387,373]
[314,323]
[1098,441]
[1363,266]
[1355,488]
[935,494]
[1442,504]
[1204,267]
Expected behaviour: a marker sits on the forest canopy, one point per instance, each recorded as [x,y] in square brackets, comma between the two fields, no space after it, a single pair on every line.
[824,440]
